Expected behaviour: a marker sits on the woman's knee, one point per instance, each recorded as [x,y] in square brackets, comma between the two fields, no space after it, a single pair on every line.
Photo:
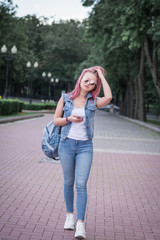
[68,184]
[81,185]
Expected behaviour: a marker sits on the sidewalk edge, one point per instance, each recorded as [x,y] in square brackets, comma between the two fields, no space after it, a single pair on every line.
[13,119]
[146,125]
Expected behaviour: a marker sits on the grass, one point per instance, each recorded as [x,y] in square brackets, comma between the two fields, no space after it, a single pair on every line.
[17,115]
[155,122]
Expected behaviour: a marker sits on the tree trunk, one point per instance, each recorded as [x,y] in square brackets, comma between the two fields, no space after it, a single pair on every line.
[152,63]
[122,112]
[141,86]
[136,98]
[127,103]
[132,93]
[129,100]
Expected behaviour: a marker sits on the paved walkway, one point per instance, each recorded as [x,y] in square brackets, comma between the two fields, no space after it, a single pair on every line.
[123,188]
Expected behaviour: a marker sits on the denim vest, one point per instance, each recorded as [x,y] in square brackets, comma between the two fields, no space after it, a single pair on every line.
[90,108]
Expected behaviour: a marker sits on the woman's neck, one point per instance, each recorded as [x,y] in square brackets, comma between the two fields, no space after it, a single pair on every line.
[83,94]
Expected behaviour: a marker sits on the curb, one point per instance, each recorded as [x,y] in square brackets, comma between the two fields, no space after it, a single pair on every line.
[146,125]
[18,118]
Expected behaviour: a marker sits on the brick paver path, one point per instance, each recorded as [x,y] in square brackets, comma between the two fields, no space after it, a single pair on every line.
[123,188]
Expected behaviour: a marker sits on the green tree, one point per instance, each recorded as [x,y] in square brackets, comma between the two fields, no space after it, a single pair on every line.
[64,48]
[12,32]
[59,48]
[7,11]
[121,28]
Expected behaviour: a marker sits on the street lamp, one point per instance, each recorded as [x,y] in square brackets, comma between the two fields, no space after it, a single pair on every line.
[49,75]
[31,70]
[44,74]
[8,58]
[48,78]
[55,82]
[52,80]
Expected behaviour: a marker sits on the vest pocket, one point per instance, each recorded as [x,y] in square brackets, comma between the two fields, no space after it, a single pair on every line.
[92,108]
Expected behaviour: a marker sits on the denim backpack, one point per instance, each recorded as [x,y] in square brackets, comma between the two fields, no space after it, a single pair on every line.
[50,140]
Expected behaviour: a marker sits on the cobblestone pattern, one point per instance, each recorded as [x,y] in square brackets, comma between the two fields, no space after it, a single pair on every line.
[123,188]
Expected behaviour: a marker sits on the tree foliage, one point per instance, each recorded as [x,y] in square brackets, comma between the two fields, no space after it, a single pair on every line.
[123,31]
[121,36]
[59,48]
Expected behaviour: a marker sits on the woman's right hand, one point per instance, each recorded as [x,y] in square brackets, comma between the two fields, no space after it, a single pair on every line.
[75,119]
[100,73]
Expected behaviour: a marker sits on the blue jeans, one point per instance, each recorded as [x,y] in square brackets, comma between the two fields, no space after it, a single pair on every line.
[76,160]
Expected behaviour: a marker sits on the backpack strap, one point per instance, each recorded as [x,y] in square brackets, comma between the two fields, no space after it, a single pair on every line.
[64,97]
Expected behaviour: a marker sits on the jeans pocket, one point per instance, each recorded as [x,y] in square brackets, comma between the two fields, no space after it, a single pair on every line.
[89,142]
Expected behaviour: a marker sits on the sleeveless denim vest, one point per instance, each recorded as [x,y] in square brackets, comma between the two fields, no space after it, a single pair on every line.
[90,108]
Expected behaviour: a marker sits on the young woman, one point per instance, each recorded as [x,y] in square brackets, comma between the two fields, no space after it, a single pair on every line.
[75,112]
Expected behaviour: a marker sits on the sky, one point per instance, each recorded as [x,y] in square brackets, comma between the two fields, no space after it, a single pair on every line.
[58,9]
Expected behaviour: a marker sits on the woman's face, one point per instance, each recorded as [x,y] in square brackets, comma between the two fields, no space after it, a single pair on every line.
[88,82]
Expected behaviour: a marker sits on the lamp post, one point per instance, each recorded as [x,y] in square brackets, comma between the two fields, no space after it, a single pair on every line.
[51,82]
[8,58]
[55,82]
[31,70]
[48,78]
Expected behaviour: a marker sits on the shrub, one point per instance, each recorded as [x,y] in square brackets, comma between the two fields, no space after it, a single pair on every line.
[38,106]
[9,106]
[21,104]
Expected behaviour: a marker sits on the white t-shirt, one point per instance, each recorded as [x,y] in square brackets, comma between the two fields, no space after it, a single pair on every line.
[78,130]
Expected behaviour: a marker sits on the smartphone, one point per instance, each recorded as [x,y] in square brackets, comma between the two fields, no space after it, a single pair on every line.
[80,117]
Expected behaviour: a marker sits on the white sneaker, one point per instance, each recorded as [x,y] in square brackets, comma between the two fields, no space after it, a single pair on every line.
[80,230]
[69,223]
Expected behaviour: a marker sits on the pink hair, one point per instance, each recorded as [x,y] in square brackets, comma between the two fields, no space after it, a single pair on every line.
[95,92]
